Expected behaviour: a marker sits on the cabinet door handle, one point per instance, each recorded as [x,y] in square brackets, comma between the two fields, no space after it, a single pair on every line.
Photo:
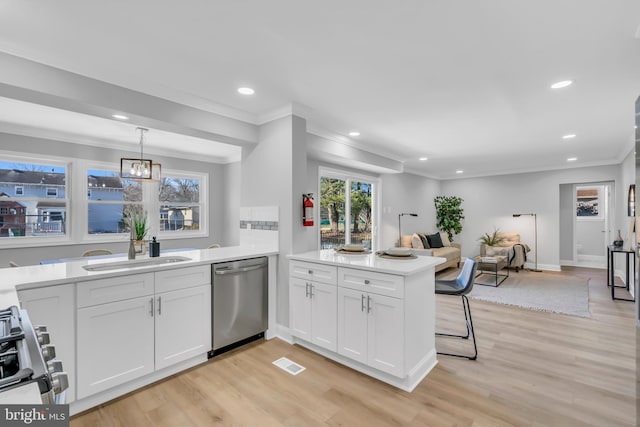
[366,281]
[362,303]
[311,289]
[151,311]
[306,289]
[368,304]
[159,306]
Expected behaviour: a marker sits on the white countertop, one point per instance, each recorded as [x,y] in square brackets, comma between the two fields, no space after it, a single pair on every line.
[371,262]
[36,276]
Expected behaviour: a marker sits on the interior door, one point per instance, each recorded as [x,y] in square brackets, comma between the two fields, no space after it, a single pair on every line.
[592,224]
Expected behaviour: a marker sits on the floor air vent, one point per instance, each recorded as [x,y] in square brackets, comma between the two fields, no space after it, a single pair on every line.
[292,367]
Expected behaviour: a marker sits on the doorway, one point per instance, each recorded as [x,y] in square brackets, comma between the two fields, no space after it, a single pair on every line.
[588,211]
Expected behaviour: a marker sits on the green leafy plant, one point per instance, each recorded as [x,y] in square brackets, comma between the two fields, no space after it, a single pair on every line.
[492,239]
[140,228]
[449,214]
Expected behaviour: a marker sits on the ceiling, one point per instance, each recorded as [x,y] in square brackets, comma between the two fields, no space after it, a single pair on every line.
[464,83]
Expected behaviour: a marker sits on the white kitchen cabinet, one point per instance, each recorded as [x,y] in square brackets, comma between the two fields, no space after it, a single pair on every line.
[300,312]
[183,325]
[385,350]
[313,313]
[115,344]
[352,324]
[369,328]
[121,338]
[385,313]
[54,307]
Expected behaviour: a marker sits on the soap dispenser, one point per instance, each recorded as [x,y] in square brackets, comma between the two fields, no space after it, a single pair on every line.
[154,248]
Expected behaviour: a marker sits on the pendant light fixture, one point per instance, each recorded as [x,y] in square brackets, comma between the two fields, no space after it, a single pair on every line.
[141,168]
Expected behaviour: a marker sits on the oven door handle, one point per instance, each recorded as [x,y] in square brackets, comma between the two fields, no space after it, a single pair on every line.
[21,375]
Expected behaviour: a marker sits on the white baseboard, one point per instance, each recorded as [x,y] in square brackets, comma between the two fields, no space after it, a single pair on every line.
[284,333]
[548,267]
[586,264]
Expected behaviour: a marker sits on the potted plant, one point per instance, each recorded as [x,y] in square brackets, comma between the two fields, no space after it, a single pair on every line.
[449,214]
[491,239]
[140,230]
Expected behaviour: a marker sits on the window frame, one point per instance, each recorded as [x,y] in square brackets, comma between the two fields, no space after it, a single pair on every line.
[37,241]
[15,191]
[349,177]
[203,203]
[86,190]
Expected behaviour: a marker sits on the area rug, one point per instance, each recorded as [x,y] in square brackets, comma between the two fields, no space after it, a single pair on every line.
[545,291]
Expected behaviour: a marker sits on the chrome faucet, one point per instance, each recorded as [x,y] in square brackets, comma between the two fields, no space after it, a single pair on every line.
[132,247]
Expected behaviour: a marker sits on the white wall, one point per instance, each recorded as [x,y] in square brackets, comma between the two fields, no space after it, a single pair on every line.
[274,174]
[490,202]
[409,193]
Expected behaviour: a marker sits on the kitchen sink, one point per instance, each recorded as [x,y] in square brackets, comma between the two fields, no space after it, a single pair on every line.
[135,263]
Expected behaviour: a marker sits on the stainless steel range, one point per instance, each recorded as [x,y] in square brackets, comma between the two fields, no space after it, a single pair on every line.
[28,365]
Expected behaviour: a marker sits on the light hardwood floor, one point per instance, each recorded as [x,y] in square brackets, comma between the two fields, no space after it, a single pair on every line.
[533,369]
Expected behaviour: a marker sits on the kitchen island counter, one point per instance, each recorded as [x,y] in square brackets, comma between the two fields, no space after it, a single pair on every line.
[403,266]
[373,314]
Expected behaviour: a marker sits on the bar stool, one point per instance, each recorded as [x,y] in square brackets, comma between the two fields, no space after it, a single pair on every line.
[461,286]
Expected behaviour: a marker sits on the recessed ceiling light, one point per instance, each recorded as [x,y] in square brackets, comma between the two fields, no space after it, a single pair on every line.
[572,159]
[560,85]
[423,159]
[354,133]
[569,136]
[246,91]
[120,116]
[459,171]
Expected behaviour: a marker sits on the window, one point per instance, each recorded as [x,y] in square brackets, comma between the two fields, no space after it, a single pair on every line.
[111,200]
[347,209]
[41,187]
[182,203]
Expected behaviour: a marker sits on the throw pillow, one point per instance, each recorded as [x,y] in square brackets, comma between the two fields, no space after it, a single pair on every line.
[425,242]
[435,241]
[416,242]
[445,238]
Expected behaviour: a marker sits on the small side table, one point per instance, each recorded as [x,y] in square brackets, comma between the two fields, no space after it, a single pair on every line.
[492,265]
[629,254]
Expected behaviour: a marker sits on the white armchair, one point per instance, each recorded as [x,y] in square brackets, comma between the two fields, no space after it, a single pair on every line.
[511,247]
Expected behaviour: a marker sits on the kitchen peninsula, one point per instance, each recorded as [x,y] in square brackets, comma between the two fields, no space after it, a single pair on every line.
[120,324]
[373,314]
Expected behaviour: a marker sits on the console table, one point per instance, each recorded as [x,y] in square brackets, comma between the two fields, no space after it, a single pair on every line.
[629,254]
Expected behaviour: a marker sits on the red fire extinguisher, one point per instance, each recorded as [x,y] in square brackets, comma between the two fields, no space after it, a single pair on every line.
[307,210]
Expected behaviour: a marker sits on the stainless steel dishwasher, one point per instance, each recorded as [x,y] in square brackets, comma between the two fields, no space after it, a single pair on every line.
[239,302]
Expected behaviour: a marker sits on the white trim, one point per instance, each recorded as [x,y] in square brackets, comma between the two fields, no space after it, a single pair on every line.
[349,177]
[203,203]
[36,241]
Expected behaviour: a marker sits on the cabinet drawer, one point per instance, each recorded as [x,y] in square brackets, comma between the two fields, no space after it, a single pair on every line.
[369,281]
[312,271]
[181,278]
[102,291]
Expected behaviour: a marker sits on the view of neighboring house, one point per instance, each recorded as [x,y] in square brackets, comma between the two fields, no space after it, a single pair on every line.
[105,218]
[33,202]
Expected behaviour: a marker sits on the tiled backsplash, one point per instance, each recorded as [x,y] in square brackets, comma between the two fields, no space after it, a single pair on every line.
[259,225]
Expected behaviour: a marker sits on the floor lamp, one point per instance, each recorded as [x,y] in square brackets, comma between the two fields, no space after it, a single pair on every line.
[399,230]
[535,225]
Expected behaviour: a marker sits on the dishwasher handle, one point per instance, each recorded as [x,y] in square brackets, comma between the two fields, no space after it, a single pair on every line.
[240,270]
